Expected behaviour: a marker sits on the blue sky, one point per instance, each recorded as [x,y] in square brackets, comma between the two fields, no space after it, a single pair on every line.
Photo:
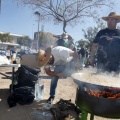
[21,20]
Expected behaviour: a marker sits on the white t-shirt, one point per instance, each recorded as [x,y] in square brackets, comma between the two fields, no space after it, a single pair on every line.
[61,55]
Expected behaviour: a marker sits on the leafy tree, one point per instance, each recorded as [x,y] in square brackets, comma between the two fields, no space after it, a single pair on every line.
[25,41]
[5,37]
[90,33]
[67,12]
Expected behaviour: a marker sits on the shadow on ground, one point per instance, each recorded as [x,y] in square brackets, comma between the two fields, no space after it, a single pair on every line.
[14,113]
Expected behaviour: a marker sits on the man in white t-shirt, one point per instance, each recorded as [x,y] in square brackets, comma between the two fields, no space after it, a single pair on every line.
[59,57]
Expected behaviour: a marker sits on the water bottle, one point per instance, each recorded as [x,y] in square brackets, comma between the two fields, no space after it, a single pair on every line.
[39,89]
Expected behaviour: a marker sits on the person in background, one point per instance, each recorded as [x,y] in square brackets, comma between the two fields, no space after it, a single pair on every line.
[106,45]
[67,41]
[72,47]
[62,41]
[58,56]
[71,44]
[8,54]
[81,54]
[86,57]
[13,57]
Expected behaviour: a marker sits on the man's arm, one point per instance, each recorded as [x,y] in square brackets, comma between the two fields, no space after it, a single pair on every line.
[92,53]
[76,59]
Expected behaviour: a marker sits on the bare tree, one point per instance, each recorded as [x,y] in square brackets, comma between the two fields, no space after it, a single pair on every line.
[67,12]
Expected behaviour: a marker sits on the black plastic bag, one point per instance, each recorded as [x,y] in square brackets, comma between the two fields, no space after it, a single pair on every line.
[32,70]
[22,95]
[25,77]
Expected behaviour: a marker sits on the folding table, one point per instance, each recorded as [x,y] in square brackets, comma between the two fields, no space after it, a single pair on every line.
[13,70]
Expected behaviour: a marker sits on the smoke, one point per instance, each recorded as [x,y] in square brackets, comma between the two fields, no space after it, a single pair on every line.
[93,78]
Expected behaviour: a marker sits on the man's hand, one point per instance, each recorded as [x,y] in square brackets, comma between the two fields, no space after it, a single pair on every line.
[59,75]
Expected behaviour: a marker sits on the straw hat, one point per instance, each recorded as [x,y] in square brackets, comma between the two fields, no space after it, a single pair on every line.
[43,56]
[112,15]
[64,35]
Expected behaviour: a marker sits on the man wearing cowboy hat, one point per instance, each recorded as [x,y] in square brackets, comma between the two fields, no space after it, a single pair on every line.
[107,45]
[59,57]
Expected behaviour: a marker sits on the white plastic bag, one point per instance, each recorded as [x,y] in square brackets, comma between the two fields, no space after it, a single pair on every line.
[40,115]
[4,60]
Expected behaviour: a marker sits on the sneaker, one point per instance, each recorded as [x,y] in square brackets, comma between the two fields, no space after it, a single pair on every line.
[50,99]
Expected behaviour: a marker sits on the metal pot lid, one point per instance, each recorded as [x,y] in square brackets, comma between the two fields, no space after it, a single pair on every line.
[97,79]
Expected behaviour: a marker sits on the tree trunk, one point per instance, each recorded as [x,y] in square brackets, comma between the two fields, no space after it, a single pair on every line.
[64,26]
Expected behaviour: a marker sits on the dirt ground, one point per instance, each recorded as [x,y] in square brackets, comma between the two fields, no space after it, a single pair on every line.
[66,89]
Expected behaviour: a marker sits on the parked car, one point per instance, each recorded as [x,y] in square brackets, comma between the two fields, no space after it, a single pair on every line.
[2,52]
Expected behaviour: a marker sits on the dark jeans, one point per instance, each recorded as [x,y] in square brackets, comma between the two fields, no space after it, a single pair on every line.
[67,70]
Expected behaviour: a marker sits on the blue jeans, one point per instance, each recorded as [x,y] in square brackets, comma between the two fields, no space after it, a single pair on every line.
[66,70]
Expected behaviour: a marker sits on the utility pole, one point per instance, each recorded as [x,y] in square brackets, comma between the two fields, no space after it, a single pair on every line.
[38,36]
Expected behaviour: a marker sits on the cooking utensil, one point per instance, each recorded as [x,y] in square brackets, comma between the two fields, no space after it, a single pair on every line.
[104,107]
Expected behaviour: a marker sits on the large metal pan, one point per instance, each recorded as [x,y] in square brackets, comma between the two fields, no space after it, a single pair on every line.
[104,107]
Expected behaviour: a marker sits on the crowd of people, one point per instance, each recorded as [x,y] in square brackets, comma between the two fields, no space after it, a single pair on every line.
[104,54]
[83,53]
